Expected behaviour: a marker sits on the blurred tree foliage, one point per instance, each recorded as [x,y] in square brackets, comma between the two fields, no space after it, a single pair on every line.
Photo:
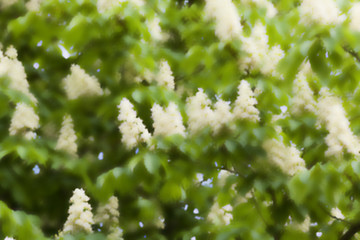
[179,180]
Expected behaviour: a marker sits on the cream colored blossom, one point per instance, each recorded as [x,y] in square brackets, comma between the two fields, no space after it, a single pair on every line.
[271,11]
[304,226]
[24,121]
[167,122]
[78,83]
[222,115]
[160,222]
[115,233]
[227,19]
[106,5]
[13,69]
[332,114]
[287,158]
[336,212]
[108,215]
[303,100]
[165,77]
[324,12]
[245,103]
[80,217]
[199,112]
[355,17]
[132,128]
[33,5]
[155,29]
[7,3]
[67,138]
[259,54]
[220,216]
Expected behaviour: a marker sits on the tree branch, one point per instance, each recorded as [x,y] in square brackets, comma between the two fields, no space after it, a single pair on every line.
[351,232]
[352,52]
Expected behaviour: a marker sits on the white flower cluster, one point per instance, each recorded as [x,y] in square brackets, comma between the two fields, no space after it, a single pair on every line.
[13,69]
[9,238]
[227,19]
[80,216]
[245,103]
[271,11]
[106,5]
[287,158]
[355,17]
[167,122]
[108,215]
[303,100]
[24,121]
[332,114]
[78,83]
[155,29]
[7,3]
[220,216]
[324,12]
[336,212]
[67,138]
[33,5]
[259,54]
[165,77]
[221,115]
[200,113]
[132,128]
[305,225]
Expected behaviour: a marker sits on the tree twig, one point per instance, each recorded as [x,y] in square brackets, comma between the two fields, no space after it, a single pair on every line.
[352,52]
[351,232]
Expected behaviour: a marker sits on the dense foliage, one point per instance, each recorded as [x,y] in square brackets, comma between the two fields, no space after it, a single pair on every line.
[277,158]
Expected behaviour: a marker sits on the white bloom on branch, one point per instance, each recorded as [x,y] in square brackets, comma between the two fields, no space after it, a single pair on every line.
[305,225]
[332,114]
[271,11]
[132,128]
[336,212]
[259,54]
[7,3]
[33,5]
[220,215]
[165,77]
[24,121]
[106,5]
[303,100]
[79,83]
[67,138]
[227,19]
[355,17]
[13,69]
[286,158]
[108,215]
[167,122]
[245,103]
[324,12]
[200,114]
[80,217]
[222,115]
[155,29]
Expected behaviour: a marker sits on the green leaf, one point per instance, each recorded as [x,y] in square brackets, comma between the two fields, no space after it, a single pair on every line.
[152,162]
